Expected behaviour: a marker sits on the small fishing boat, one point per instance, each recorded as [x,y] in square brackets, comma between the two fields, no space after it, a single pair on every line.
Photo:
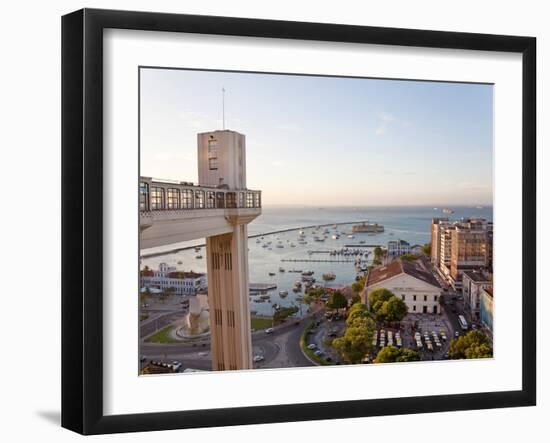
[198,257]
[283,294]
[307,273]
[329,276]
[281,269]
[271,274]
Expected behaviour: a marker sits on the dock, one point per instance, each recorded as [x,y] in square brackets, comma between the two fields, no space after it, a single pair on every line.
[261,287]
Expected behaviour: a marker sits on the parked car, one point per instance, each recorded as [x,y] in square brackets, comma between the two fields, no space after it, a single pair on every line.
[311,346]
[176,365]
[269,331]
[318,353]
[258,358]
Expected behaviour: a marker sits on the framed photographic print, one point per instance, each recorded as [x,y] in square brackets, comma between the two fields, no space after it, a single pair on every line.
[269,221]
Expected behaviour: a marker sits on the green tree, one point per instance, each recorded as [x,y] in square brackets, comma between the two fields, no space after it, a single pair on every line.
[474,344]
[380,294]
[392,354]
[282,313]
[408,257]
[337,301]
[394,309]
[427,248]
[386,306]
[357,339]
[355,299]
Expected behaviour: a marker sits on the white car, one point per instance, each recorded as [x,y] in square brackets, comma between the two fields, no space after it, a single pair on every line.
[258,358]
[269,331]
[312,346]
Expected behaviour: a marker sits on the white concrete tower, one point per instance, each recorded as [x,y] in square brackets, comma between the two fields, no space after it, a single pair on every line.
[222,164]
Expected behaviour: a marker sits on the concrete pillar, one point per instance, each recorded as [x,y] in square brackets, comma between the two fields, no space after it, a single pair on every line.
[228,291]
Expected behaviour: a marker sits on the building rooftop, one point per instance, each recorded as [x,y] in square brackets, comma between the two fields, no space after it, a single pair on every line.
[477,276]
[415,268]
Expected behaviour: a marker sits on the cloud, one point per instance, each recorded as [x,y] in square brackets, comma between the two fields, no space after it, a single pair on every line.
[386,117]
[385,120]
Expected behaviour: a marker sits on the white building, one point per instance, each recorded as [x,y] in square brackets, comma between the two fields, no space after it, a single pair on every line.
[398,247]
[473,283]
[184,283]
[412,281]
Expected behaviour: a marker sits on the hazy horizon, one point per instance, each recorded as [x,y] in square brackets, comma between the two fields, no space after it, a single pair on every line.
[330,142]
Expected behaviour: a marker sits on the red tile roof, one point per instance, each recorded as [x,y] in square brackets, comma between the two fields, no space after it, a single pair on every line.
[415,268]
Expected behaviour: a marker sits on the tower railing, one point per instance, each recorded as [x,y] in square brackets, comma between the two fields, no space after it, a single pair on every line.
[167,195]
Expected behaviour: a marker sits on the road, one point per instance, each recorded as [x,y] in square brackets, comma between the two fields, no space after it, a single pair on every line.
[279,349]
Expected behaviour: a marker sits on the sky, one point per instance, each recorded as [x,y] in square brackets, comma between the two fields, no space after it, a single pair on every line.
[327,141]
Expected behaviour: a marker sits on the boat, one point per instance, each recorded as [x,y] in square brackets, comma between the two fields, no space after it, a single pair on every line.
[265,297]
[307,273]
[295,270]
[368,227]
[329,276]
[301,232]
[283,294]
[335,237]
[362,242]
[351,236]
[198,256]
[447,211]
[180,262]
[281,269]
[271,274]
[197,248]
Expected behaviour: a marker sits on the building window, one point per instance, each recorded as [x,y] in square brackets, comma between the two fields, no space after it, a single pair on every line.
[435,309]
[210,200]
[199,199]
[143,196]
[187,198]
[213,155]
[414,297]
[241,199]
[403,297]
[414,307]
[231,200]
[435,297]
[157,198]
[173,198]
[249,200]
[256,199]
[425,298]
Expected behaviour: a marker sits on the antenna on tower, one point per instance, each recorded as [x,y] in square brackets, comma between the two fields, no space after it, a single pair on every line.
[223,108]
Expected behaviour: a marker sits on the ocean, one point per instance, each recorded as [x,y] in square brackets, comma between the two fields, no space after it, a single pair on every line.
[406,223]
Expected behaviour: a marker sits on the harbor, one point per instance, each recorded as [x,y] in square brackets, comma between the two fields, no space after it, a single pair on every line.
[274,269]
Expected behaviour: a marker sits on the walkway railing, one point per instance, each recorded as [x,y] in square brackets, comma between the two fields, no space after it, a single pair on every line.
[171,195]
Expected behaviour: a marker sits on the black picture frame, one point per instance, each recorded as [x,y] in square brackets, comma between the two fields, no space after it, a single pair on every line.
[82,218]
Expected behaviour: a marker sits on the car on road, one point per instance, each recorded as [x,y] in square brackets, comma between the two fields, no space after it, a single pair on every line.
[202,354]
[176,365]
[258,358]
[457,334]
[311,346]
[142,358]
[318,353]
[269,331]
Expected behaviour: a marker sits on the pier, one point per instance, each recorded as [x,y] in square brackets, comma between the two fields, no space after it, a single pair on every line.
[261,287]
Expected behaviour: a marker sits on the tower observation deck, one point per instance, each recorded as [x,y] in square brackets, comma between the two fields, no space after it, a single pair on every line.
[219,209]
